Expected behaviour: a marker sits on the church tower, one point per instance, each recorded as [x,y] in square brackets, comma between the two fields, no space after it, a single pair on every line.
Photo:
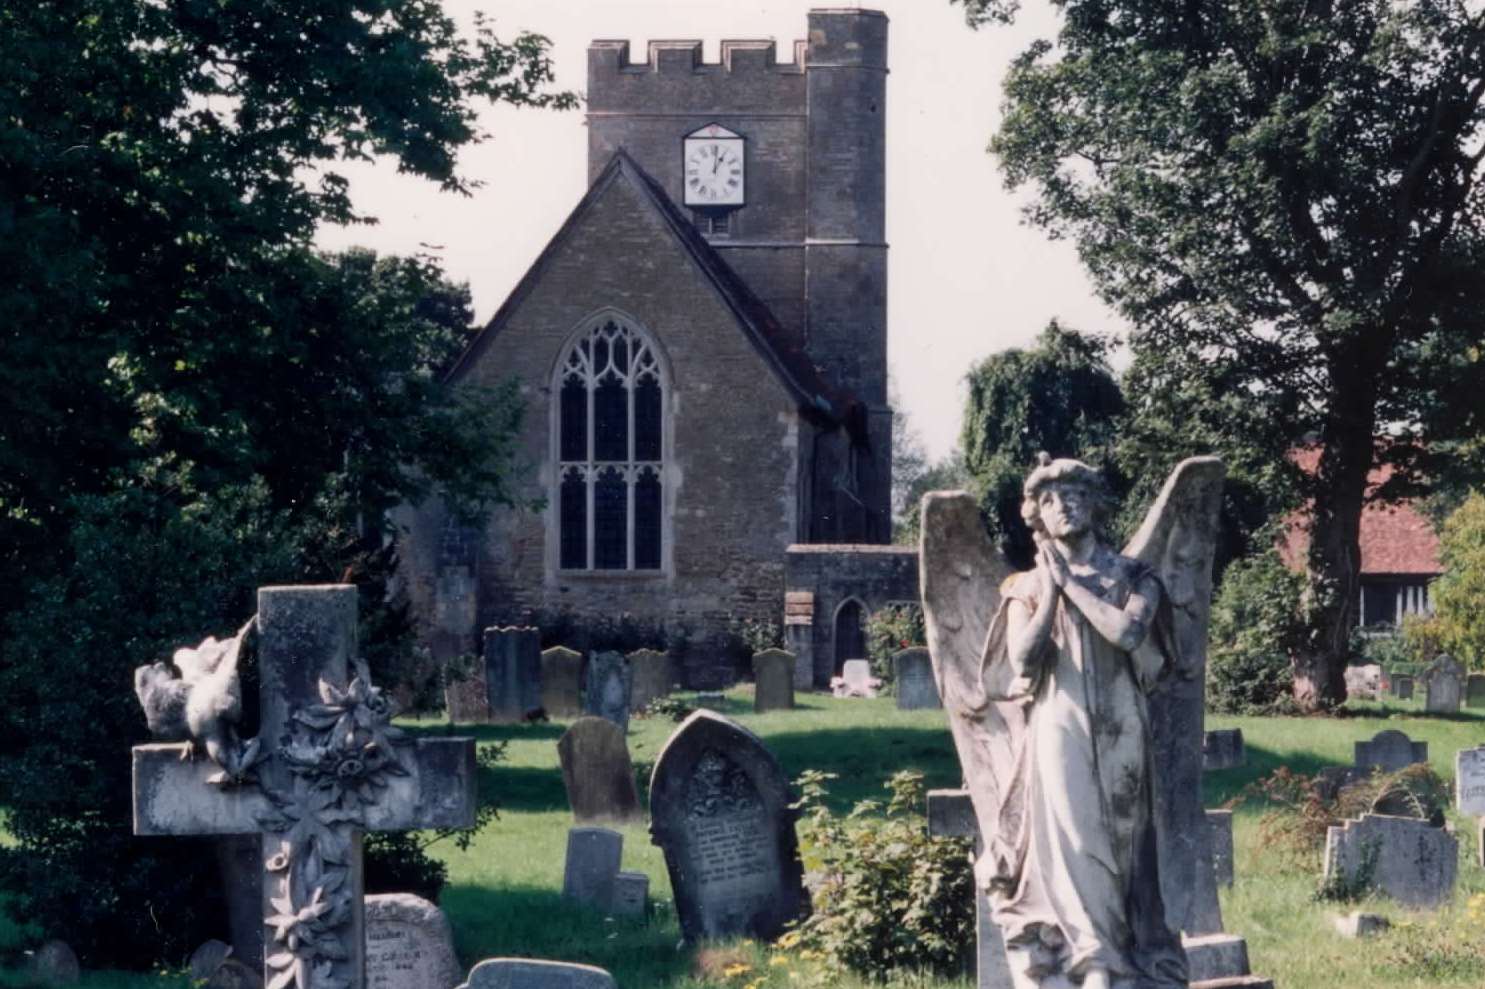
[806,230]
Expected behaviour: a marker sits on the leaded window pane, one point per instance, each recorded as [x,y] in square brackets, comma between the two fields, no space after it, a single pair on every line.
[574,520]
[611,420]
[647,419]
[610,520]
[574,416]
[647,521]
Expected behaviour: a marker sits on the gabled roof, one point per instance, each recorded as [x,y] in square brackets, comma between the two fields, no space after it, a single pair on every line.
[1396,540]
[779,348]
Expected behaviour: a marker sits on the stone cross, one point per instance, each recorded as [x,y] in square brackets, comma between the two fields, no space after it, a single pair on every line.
[329,768]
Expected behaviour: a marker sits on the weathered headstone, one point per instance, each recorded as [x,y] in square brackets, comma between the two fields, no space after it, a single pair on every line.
[1474,690]
[562,682]
[1364,682]
[1223,749]
[855,680]
[409,944]
[593,856]
[512,672]
[306,639]
[1443,685]
[952,815]
[1220,821]
[773,680]
[608,687]
[205,959]
[652,679]
[534,973]
[1389,751]
[1407,859]
[1402,686]
[213,966]
[53,964]
[1216,956]
[1358,924]
[912,675]
[631,895]
[597,771]
[1469,791]
[719,809]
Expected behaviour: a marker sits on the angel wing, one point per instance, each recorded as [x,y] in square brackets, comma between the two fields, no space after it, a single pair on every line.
[960,573]
[1178,539]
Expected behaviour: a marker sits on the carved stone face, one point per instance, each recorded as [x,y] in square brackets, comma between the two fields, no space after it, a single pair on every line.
[1066,509]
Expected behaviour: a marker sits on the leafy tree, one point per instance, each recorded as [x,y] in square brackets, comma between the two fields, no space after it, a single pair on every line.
[1283,200]
[945,474]
[194,403]
[1459,595]
[1059,396]
[1257,622]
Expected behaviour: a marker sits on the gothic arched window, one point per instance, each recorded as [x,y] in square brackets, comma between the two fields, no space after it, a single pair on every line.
[610,451]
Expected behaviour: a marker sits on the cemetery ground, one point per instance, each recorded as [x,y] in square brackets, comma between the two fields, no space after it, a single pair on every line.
[504,892]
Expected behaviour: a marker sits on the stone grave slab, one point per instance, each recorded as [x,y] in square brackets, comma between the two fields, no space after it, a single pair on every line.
[409,944]
[631,895]
[512,672]
[535,973]
[593,856]
[1411,861]
[855,680]
[306,639]
[1474,690]
[1216,956]
[719,810]
[1223,749]
[1220,822]
[1469,781]
[597,771]
[1402,687]
[651,677]
[1389,751]
[951,814]
[773,679]
[609,684]
[466,698]
[1443,686]
[1358,924]
[912,676]
[1364,682]
[562,682]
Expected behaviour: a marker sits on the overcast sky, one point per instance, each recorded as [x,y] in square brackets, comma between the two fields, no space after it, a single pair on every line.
[966,277]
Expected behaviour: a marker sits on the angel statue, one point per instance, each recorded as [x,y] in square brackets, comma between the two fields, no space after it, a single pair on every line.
[1074,692]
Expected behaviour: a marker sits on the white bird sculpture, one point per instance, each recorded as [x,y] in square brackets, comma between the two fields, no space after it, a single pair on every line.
[204,704]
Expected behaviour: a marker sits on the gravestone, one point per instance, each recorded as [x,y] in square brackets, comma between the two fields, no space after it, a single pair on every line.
[1402,686]
[306,639]
[409,944]
[719,810]
[951,814]
[465,696]
[535,973]
[562,682]
[1469,781]
[53,964]
[212,966]
[773,680]
[1220,822]
[1389,751]
[1364,682]
[1409,860]
[597,771]
[1443,686]
[631,895]
[912,674]
[593,856]
[609,685]
[1474,690]
[512,672]
[1223,749]
[651,671]
[1357,924]
[855,680]
[1216,956]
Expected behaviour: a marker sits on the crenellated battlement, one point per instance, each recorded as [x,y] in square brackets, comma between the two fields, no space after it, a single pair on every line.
[684,57]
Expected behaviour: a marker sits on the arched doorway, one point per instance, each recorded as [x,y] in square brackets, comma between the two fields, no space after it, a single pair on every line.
[850,633]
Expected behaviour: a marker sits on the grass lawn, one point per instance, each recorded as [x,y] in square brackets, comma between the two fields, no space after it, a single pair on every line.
[504,892]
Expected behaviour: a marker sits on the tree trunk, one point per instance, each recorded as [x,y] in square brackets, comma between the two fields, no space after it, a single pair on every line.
[1334,562]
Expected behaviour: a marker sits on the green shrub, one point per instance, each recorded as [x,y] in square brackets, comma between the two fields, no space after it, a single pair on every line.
[1256,626]
[888,898]
[890,630]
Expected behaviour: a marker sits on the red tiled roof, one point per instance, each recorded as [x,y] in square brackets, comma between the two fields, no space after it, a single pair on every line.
[1395,538]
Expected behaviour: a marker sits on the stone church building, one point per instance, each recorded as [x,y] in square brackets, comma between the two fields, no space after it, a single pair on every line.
[702,353]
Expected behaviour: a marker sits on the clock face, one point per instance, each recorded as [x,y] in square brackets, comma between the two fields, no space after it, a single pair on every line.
[714,171]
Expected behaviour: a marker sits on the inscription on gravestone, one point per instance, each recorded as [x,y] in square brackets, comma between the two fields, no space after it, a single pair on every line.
[409,944]
[1469,777]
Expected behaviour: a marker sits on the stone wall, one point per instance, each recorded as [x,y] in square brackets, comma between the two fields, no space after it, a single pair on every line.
[833,575]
